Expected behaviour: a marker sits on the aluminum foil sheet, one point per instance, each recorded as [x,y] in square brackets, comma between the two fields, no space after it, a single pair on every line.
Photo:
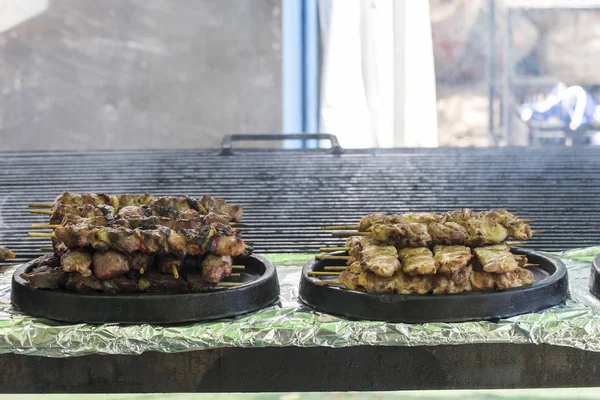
[574,323]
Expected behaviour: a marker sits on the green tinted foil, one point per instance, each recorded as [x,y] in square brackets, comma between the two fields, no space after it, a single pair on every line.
[575,323]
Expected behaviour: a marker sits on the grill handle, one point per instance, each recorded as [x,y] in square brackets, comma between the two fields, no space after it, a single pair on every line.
[227,143]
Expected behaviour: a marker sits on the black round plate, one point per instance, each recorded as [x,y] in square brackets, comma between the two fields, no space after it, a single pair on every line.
[550,288]
[595,277]
[261,288]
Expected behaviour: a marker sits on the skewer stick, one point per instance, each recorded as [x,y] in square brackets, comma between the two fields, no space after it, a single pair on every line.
[41,205]
[339,227]
[45,212]
[328,283]
[319,273]
[348,234]
[531,265]
[514,243]
[528,220]
[319,257]
[44,226]
[234,275]
[228,284]
[537,231]
[40,234]
[142,270]
[238,267]
[175,272]
[326,249]
[47,249]
[332,268]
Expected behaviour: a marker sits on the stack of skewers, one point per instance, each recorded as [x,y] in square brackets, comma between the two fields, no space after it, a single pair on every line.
[138,243]
[421,253]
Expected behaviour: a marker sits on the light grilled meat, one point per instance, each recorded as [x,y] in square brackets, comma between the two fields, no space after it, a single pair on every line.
[400,283]
[402,235]
[379,218]
[487,281]
[372,256]
[496,259]
[110,264]
[418,261]
[451,259]
[459,282]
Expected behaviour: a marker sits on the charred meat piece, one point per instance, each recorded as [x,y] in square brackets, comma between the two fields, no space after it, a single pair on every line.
[46,277]
[6,254]
[76,260]
[496,259]
[170,265]
[379,218]
[110,264]
[140,261]
[451,259]
[134,212]
[215,268]
[192,242]
[120,284]
[78,283]
[417,261]
[196,283]
[155,282]
[373,256]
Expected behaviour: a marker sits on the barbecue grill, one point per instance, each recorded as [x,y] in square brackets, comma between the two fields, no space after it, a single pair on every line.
[289,195]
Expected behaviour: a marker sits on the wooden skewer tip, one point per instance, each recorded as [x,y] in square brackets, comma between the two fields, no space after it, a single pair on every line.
[328,283]
[238,267]
[320,257]
[349,234]
[235,275]
[332,268]
[228,284]
[327,249]
[319,273]
[45,212]
[40,234]
[175,272]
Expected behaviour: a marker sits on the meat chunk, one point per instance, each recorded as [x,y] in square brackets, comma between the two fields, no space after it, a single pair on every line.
[109,264]
[214,268]
[78,283]
[140,261]
[46,277]
[170,265]
[155,282]
[417,261]
[134,212]
[120,284]
[451,259]
[76,261]
[496,259]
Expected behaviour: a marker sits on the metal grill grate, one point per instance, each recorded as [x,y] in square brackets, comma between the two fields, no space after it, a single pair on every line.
[287,196]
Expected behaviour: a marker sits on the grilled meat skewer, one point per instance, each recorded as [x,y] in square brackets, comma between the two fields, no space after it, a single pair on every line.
[151,222]
[471,233]
[451,259]
[400,283]
[204,205]
[514,226]
[161,240]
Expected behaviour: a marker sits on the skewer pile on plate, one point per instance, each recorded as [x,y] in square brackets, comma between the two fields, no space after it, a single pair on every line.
[138,243]
[420,253]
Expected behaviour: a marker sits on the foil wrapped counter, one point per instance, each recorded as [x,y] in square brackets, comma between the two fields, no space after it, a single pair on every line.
[574,323]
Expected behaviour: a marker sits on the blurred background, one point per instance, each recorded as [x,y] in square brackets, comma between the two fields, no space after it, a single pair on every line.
[77,74]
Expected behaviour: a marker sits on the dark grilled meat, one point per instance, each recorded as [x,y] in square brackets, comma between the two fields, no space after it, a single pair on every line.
[46,277]
[120,284]
[155,282]
[110,264]
[78,283]
[214,268]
